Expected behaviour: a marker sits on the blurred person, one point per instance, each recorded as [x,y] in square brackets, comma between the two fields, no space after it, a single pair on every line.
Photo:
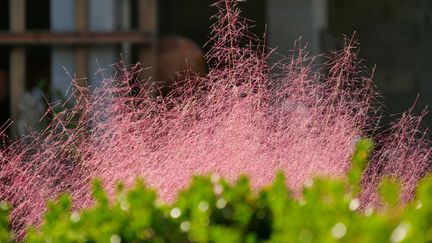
[175,55]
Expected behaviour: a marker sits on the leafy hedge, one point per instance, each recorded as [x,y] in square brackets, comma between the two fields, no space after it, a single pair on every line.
[213,210]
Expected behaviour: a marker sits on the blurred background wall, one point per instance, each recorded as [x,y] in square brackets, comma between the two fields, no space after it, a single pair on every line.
[394,35]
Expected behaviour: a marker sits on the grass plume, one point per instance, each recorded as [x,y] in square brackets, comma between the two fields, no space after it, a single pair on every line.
[238,119]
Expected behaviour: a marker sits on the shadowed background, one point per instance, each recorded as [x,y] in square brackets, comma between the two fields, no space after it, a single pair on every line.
[393,35]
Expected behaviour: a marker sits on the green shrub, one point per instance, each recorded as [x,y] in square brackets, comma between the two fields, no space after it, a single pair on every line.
[4,227]
[213,210]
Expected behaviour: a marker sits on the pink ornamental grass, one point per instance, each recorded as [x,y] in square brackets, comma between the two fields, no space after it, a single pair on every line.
[238,119]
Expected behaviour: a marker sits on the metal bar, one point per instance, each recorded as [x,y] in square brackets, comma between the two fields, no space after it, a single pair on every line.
[17,16]
[126,26]
[147,15]
[148,23]
[17,61]
[81,52]
[74,38]
[81,15]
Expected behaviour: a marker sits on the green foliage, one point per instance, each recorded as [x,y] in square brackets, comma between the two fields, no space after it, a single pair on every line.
[213,210]
[389,189]
[359,163]
[4,224]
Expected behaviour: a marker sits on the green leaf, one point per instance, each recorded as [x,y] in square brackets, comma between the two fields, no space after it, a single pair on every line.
[390,189]
[359,163]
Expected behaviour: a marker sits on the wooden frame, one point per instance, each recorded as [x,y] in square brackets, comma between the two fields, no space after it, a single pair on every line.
[18,38]
[147,23]
[17,60]
[75,38]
